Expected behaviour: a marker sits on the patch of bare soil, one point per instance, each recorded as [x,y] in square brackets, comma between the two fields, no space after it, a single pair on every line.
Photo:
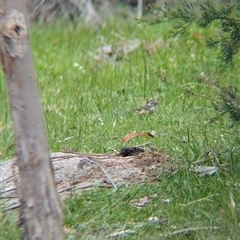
[76,171]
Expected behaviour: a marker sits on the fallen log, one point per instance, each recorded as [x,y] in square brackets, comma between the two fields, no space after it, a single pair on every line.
[77,171]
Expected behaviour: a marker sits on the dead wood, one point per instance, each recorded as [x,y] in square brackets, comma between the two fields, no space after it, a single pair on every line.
[76,171]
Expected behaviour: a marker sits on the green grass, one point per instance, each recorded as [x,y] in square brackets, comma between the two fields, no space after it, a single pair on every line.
[8,229]
[193,204]
[74,99]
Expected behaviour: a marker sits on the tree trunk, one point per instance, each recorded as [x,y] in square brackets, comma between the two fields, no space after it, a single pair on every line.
[140,8]
[40,215]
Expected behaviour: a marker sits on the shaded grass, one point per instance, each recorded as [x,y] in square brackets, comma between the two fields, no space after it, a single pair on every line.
[86,106]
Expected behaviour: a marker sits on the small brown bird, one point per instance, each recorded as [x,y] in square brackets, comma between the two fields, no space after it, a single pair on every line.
[150,107]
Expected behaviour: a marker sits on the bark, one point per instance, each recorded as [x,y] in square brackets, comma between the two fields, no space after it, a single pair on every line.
[40,215]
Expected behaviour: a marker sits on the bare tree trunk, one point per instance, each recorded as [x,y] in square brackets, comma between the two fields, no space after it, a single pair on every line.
[140,8]
[40,208]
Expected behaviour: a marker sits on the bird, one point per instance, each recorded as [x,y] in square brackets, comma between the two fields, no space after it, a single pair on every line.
[149,108]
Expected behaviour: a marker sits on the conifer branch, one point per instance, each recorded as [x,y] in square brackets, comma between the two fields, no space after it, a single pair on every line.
[228,38]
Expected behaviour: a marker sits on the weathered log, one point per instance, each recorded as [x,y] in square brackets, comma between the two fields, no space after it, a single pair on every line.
[74,171]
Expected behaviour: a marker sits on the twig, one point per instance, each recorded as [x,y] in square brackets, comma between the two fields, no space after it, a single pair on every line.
[60,158]
[7,179]
[17,205]
[109,178]
[90,185]
[187,230]
[145,144]
[164,79]
[198,200]
[8,197]
[114,150]
[8,190]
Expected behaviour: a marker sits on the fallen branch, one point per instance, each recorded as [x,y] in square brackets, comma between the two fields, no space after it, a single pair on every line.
[111,181]
[187,230]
